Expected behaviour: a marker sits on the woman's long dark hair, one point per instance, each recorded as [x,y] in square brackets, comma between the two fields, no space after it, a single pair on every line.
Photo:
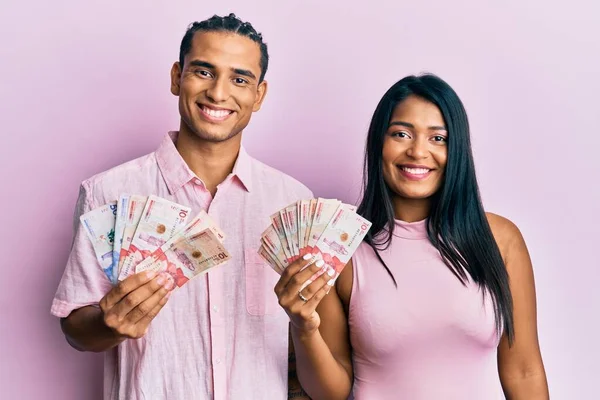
[457,224]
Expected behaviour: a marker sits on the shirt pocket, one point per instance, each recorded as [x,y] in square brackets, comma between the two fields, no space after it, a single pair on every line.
[260,285]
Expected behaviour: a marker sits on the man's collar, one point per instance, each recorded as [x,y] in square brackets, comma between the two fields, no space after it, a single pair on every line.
[177,173]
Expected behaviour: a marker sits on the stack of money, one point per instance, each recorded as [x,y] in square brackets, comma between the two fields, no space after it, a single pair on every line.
[141,233]
[326,228]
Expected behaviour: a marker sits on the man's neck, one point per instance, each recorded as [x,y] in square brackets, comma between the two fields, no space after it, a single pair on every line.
[211,162]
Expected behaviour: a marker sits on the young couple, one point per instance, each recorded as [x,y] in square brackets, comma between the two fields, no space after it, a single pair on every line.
[437,303]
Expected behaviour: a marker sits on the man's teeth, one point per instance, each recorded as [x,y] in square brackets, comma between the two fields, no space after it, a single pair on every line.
[415,171]
[216,113]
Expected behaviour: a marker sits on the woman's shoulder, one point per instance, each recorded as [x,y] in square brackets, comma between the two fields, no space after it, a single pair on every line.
[506,233]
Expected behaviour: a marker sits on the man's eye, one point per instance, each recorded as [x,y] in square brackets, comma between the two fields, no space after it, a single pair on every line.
[240,81]
[203,73]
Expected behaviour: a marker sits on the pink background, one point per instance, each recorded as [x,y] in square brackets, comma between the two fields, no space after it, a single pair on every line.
[84,86]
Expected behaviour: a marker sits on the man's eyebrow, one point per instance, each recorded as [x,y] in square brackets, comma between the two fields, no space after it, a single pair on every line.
[244,72]
[238,71]
[200,63]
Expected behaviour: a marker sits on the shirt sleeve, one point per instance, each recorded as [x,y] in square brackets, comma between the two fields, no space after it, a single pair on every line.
[83,282]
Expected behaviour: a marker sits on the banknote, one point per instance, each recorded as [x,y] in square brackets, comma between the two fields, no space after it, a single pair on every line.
[120,222]
[341,238]
[289,217]
[99,226]
[303,212]
[277,225]
[271,240]
[312,208]
[201,222]
[324,211]
[198,224]
[272,257]
[186,256]
[268,256]
[326,228]
[135,207]
[160,220]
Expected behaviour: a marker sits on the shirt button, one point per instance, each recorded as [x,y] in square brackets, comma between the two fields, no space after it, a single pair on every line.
[218,361]
[197,181]
[215,309]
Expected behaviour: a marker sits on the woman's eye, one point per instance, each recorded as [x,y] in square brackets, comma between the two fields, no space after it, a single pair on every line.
[400,134]
[439,138]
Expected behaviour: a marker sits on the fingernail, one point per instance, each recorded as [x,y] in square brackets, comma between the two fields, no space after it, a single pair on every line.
[307,256]
[160,280]
[169,284]
[330,271]
[331,282]
[150,274]
[320,263]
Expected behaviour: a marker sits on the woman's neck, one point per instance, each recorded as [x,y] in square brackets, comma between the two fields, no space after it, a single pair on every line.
[411,210]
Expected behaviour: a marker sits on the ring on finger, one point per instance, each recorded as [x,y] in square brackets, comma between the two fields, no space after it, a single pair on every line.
[304,299]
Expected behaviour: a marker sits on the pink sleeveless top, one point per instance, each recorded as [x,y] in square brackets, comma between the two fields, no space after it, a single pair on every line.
[430,338]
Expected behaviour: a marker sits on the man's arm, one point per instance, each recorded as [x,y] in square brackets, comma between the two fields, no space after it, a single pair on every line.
[124,313]
[85,330]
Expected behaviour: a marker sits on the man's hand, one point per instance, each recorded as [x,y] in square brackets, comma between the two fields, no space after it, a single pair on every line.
[130,306]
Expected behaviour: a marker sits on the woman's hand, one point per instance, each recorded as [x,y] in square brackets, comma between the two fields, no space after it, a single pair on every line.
[301,287]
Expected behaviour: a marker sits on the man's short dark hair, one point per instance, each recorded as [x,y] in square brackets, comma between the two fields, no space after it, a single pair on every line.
[232,24]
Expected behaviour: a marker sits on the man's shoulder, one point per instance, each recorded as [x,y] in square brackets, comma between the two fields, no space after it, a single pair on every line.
[131,176]
[272,178]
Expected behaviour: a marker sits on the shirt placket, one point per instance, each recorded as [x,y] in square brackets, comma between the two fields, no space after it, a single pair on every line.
[217,324]
[217,335]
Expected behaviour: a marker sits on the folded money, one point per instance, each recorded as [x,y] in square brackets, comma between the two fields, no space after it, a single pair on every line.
[160,220]
[326,228]
[139,233]
[186,256]
[99,225]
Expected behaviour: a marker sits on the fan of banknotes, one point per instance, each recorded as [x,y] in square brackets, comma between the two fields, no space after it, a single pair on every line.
[326,228]
[141,233]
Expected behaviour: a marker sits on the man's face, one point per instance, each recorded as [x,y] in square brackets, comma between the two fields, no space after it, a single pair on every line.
[218,85]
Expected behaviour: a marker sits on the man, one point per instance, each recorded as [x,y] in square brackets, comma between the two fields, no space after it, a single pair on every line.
[222,335]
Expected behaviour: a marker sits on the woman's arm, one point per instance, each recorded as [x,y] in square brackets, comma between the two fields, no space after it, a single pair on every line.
[319,331]
[520,366]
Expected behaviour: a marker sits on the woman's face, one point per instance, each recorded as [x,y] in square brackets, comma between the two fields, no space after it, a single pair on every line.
[415,150]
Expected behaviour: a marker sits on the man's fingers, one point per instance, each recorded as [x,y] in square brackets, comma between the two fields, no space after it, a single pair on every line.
[144,322]
[125,287]
[140,294]
[147,306]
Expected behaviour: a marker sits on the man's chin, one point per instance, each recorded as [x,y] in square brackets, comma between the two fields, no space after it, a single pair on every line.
[214,137]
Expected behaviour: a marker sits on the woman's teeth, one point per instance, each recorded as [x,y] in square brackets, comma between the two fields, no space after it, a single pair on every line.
[415,171]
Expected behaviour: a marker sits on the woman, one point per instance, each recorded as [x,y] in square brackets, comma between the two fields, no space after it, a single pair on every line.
[439,301]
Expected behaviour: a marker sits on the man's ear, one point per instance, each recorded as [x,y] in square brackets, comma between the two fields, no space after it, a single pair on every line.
[262,92]
[175,78]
